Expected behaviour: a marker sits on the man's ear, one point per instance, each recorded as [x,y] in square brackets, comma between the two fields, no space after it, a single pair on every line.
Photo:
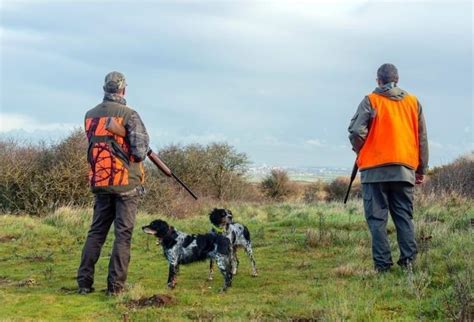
[123,92]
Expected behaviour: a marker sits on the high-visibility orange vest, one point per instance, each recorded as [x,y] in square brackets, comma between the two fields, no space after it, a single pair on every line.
[393,134]
[112,169]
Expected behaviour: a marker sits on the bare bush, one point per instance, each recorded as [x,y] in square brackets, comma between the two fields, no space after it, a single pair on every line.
[165,196]
[454,178]
[71,170]
[277,185]
[216,170]
[227,168]
[315,192]
[336,189]
[37,178]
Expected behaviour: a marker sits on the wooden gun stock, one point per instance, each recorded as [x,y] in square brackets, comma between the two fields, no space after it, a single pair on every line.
[160,164]
[116,128]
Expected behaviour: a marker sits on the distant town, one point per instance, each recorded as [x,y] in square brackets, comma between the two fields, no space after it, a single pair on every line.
[258,172]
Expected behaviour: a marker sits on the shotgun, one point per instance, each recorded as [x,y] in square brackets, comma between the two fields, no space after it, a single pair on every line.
[116,128]
[353,175]
[356,167]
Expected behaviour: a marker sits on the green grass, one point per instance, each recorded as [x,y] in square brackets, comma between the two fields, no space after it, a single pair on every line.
[314,263]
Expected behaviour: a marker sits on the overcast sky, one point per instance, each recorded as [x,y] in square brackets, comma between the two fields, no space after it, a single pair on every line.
[279,80]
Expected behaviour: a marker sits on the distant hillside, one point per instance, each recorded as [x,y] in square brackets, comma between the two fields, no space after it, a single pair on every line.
[310,174]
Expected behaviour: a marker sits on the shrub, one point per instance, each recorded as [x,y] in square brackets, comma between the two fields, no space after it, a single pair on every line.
[165,196]
[226,170]
[336,189]
[216,170]
[39,178]
[315,192]
[277,185]
[454,178]
[70,170]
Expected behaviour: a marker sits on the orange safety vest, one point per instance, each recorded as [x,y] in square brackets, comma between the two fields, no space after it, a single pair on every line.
[112,169]
[393,134]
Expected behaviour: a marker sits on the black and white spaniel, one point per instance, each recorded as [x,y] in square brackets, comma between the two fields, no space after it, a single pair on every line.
[237,234]
[181,248]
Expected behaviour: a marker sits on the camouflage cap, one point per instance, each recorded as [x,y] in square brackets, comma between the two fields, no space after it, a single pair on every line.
[114,81]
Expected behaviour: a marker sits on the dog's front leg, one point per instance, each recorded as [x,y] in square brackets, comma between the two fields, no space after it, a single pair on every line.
[173,271]
[211,270]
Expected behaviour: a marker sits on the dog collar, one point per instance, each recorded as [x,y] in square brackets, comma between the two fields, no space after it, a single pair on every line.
[219,230]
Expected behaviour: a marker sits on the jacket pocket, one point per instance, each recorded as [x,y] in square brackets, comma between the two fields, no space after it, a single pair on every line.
[367,198]
[366,193]
[119,153]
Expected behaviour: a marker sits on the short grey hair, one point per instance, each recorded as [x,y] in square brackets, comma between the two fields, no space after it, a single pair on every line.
[387,73]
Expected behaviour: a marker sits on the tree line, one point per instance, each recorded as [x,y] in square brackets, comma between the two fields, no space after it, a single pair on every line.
[38,178]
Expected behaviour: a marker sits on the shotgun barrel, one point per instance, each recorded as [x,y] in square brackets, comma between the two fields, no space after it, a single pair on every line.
[353,176]
[164,168]
[184,185]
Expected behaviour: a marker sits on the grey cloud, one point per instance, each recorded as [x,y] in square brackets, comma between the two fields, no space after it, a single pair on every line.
[244,70]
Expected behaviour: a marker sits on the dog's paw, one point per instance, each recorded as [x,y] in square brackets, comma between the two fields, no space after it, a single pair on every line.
[171,285]
[254,274]
[223,290]
[210,278]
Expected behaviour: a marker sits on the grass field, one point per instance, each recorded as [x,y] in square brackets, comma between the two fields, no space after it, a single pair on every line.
[314,264]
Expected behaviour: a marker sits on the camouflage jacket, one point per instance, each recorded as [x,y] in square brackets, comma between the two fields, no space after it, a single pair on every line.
[136,131]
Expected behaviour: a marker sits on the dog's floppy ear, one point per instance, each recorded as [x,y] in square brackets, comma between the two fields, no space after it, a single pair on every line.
[228,214]
[216,217]
[161,227]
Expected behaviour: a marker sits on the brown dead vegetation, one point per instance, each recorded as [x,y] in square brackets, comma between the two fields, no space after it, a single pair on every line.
[39,178]
[156,300]
[7,238]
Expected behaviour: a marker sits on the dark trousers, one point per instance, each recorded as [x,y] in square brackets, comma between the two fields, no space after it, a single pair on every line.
[108,208]
[379,199]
